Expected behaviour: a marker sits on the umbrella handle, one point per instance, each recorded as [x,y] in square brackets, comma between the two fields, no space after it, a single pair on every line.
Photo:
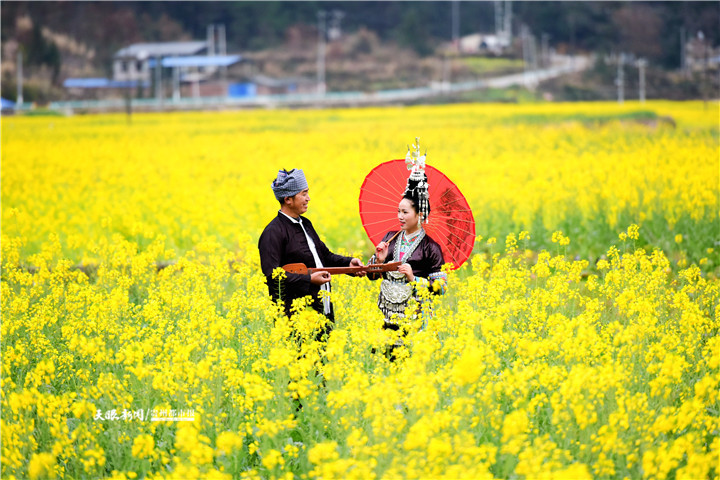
[393,237]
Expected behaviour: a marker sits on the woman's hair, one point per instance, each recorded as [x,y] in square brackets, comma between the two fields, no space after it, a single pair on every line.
[416,192]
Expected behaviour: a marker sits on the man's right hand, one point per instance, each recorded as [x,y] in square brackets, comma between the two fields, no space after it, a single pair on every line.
[318,278]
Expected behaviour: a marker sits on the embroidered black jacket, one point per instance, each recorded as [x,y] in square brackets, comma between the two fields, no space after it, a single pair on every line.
[425,260]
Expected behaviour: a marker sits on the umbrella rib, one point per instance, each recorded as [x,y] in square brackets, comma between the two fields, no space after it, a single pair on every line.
[365,189]
[452,218]
[449,213]
[387,184]
[378,203]
[377,222]
[380,182]
[449,233]
[454,202]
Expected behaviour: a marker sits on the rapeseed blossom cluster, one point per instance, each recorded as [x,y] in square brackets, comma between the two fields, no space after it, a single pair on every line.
[130,286]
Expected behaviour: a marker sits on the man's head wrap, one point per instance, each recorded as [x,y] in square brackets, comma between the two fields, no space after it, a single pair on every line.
[289,184]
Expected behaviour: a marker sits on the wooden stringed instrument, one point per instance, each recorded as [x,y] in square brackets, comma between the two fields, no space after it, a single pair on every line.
[302,269]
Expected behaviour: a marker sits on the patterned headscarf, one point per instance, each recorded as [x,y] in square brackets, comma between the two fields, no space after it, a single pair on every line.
[288,184]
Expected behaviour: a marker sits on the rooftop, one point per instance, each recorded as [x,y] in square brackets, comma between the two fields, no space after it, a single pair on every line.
[200,61]
[164,49]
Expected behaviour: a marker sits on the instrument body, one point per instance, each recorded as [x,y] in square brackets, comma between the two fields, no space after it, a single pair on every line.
[302,269]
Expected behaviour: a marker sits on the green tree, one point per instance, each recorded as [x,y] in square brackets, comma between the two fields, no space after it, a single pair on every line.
[412,34]
[41,51]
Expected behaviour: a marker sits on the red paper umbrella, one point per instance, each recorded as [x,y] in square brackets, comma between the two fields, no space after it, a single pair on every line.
[451,223]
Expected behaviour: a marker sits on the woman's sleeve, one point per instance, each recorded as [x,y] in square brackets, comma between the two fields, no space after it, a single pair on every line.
[437,279]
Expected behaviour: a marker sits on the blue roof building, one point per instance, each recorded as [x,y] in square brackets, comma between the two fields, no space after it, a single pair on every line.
[134,61]
[145,64]
[7,105]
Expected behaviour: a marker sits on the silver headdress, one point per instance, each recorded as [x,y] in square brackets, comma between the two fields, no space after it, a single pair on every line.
[417,184]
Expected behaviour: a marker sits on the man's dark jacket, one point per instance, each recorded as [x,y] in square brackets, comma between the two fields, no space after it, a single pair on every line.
[283,242]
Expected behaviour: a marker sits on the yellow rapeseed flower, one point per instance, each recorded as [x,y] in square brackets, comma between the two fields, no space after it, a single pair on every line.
[42,465]
[143,446]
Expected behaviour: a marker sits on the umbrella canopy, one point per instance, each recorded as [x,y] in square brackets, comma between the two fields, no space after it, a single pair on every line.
[451,223]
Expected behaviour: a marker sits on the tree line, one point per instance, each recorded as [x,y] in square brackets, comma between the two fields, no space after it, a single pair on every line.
[648,29]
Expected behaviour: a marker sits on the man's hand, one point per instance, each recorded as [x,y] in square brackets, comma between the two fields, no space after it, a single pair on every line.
[318,278]
[355,262]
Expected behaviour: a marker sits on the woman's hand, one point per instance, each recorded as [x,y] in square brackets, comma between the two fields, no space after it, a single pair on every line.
[407,270]
[381,251]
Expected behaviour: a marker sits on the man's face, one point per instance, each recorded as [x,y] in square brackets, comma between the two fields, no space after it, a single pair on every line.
[299,203]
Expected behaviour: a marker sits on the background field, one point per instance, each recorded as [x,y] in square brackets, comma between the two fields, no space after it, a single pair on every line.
[587,169]
[580,340]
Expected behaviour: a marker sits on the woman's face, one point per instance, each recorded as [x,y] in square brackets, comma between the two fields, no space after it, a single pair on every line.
[407,216]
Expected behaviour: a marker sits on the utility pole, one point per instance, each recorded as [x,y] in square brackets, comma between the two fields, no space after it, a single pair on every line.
[446,72]
[533,53]
[683,52]
[334,32]
[211,40]
[641,64]
[706,62]
[222,44]
[322,14]
[544,50]
[523,37]
[620,80]
[176,83]
[158,80]
[508,20]
[128,101]
[19,99]
[503,21]
[456,24]
[528,45]
[498,18]
[222,47]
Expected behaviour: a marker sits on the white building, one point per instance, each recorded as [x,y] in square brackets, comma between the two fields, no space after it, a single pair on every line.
[484,43]
[700,55]
[136,61]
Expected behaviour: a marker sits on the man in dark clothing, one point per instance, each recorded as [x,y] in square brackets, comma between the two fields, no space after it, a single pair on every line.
[290,238]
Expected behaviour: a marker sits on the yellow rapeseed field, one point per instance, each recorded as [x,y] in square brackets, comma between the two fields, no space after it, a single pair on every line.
[579,341]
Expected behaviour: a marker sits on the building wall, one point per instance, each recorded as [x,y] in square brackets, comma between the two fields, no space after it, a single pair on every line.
[699,54]
[130,69]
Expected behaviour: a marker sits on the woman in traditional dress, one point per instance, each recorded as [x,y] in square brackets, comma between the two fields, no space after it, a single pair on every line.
[421,257]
